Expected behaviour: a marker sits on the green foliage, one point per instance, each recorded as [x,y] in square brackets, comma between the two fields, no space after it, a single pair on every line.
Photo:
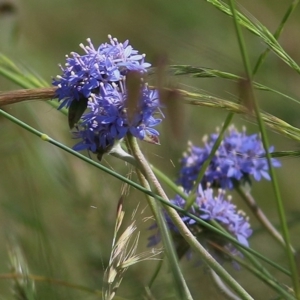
[61,211]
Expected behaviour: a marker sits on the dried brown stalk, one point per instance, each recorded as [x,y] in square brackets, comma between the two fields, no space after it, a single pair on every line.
[27,94]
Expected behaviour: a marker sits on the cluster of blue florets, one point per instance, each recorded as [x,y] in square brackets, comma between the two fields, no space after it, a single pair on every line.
[98,78]
[209,207]
[239,156]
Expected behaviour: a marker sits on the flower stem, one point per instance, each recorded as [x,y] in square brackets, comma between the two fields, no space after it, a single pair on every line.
[184,231]
[262,218]
[180,284]
[223,288]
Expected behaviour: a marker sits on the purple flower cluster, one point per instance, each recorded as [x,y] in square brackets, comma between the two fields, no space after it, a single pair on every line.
[209,207]
[239,156]
[97,79]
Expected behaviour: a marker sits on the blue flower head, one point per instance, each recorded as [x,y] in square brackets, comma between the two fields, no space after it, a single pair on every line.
[209,207]
[93,87]
[240,156]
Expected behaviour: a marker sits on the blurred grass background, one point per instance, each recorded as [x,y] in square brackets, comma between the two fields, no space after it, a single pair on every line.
[60,211]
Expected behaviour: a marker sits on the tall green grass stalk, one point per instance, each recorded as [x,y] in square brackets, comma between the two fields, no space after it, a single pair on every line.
[279,202]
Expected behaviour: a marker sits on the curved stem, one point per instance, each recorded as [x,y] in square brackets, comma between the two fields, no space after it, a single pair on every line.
[262,218]
[224,289]
[118,152]
[182,228]
[180,284]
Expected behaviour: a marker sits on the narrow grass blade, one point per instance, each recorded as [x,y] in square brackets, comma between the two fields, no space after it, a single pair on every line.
[279,202]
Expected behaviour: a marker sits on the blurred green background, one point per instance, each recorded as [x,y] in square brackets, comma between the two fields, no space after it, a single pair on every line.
[60,211]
